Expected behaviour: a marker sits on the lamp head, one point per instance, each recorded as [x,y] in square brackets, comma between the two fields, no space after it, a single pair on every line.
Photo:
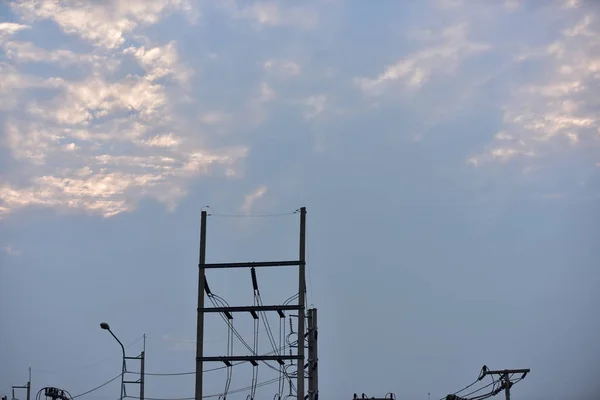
[105,326]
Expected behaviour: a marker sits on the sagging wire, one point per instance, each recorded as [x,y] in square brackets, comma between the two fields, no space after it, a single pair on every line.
[281,367]
[479,378]
[213,297]
[229,366]
[216,300]
[219,301]
[212,214]
[97,387]
[259,302]
[211,396]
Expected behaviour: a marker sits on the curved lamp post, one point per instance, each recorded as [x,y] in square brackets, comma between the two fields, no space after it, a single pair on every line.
[106,327]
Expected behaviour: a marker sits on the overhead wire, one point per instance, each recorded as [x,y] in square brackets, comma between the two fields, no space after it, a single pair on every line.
[212,214]
[97,387]
[68,370]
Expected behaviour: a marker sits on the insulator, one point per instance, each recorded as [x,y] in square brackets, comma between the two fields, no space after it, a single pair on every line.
[254,280]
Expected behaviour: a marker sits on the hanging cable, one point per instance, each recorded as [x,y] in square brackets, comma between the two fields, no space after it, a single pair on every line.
[212,214]
[256,323]
[97,387]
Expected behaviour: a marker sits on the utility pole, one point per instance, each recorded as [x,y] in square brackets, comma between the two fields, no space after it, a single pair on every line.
[313,357]
[505,376]
[142,369]
[254,310]
[301,303]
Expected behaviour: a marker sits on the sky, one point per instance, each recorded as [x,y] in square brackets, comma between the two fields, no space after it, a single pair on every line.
[447,152]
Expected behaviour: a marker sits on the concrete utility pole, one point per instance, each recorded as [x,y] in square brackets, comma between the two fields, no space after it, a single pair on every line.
[505,376]
[254,310]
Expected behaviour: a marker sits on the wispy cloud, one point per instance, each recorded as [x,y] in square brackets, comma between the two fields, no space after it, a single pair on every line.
[252,198]
[101,142]
[104,24]
[272,14]
[441,57]
[559,109]
[11,251]
[282,68]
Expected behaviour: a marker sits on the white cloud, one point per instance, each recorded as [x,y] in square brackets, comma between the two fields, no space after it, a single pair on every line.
[26,52]
[82,102]
[102,142]
[559,110]
[282,68]
[8,29]
[104,24]
[315,105]
[214,117]
[252,198]
[160,61]
[417,68]
[266,93]
[11,251]
[273,14]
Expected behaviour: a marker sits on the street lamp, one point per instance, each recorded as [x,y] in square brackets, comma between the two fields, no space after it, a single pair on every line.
[106,327]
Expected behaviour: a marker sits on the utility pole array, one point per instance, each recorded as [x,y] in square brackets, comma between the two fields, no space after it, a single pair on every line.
[260,309]
[505,376]
[506,382]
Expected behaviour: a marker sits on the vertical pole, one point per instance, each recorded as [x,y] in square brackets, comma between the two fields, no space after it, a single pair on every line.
[142,367]
[301,302]
[311,354]
[123,371]
[200,320]
[507,385]
[29,386]
[315,371]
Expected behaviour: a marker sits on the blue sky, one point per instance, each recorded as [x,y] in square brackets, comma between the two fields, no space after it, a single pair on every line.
[447,152]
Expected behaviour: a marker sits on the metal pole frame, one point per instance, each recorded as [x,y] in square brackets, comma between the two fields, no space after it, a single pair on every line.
[301,308]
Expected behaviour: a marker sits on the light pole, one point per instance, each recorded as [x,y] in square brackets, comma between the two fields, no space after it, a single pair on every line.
[106,327]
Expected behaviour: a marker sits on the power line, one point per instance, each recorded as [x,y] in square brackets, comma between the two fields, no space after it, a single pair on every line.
[211,214]
[242,389]
[97,387]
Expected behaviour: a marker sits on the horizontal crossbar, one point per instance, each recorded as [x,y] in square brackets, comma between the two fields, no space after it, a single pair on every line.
[249,308]
[248,358]
[252,264]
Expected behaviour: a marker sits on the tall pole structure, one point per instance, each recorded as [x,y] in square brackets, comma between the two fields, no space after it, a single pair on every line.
[301,303]
[257,311]
[200,317]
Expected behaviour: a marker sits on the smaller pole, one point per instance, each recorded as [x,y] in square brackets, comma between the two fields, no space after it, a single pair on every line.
[315,371]
[311,355]
[29,386]
[143,358]
[506,385]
